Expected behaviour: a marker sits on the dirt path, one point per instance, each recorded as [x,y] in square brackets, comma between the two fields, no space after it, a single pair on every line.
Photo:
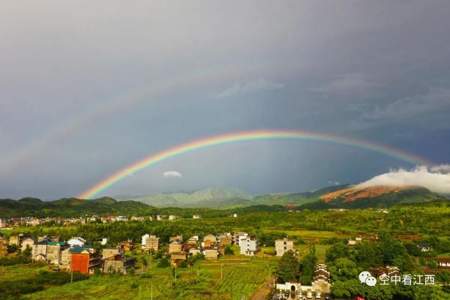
[263,291]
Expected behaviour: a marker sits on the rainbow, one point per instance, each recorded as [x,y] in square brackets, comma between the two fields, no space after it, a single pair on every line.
[242,136]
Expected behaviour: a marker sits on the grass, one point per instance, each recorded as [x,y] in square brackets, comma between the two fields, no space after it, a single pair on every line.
[233,277]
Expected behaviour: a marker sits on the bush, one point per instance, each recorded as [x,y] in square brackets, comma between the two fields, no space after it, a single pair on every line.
[163,263]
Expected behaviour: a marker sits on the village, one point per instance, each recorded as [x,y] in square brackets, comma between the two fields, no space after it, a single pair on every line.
[78,255]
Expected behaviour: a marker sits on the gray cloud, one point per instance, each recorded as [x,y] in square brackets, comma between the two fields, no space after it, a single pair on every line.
[350,84]
[85,92]
[250,87]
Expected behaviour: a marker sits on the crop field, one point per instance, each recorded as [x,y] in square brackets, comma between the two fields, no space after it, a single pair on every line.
[232,277]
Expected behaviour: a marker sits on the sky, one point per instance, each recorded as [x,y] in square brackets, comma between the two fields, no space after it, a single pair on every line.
[89,87]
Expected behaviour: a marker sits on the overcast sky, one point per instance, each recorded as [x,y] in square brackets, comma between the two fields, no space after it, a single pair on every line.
[88,87]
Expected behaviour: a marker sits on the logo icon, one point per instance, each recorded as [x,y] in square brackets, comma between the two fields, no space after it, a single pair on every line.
[367,278]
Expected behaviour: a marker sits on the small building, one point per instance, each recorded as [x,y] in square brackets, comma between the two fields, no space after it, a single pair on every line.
[175,247]
[211,254]
[196,217]
[237,236]
[54,252]
[14,240]
[319,288]
[66,259]
[27,243]
[194,251]
[225,239]
[150,243]
[111,252]
[118,264]
[127,245]
[248,246]
[83,260]
[209,241]
[172,217]
[177,258]
[443,262]
[193,240]
[176,238]
[284,245]
[39,252]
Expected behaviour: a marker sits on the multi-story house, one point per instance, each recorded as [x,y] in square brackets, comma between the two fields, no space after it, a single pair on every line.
[284,245]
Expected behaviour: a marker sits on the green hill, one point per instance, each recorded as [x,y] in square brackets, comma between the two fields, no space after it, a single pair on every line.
[70,207]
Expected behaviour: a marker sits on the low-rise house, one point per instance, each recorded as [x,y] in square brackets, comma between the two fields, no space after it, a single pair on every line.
[443,262]
[27,243]
[225,239]
[111,252]
[211,254]
[39,252]
[172,217]
[54,252]
[175,247]
[14,240]
[176,238]
[248,246]
[66,259]
[383,271]
[84,260]
[209,241]
[193,240]
[237,236]
[127,245]
[118,264]
[195,217]
[194,251]
[177,258]
[284,245]
[150,243]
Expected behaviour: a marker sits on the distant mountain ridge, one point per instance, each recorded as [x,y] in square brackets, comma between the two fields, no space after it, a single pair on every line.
[209,197]
[375,196]
[343,196]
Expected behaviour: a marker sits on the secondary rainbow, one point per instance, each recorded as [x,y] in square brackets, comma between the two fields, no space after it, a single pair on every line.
[243,136]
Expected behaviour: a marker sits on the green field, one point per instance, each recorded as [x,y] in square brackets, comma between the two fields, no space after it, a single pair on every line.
[232,277]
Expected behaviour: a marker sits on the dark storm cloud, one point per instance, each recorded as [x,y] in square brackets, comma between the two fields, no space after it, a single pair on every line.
[87,87]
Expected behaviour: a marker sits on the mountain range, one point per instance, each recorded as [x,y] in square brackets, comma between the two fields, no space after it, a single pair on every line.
[343,196]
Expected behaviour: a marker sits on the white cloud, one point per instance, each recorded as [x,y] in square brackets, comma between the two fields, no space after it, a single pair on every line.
[172,174]
[250,87]
[436,179]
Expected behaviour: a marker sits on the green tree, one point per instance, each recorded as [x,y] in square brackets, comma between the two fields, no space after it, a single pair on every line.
[307,266]
[288,267]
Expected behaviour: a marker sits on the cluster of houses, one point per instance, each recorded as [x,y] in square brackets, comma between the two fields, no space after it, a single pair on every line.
[211,246]
[72,255]
[34,221]
[77,256]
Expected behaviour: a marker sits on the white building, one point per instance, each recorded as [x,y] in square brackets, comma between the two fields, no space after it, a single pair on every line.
[248,246]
